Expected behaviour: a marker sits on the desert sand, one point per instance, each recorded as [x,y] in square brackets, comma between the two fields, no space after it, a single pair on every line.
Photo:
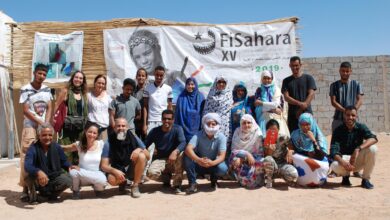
[229,201]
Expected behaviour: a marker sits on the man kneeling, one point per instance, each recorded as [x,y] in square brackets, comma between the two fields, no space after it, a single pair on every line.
[205,153]
[353,149]
[45,164]
[169,144]
[122,156]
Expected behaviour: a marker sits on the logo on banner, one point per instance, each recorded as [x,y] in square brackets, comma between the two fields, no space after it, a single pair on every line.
[204,49]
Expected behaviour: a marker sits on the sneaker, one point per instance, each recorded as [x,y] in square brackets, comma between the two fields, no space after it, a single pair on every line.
[366,184]
[213,183]
[345,181]
[76,195]
[24,197]
[357,174]
[135,193]
[192,189]
[177,189]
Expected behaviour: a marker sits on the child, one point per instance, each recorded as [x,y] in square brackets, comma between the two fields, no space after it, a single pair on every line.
[276,161]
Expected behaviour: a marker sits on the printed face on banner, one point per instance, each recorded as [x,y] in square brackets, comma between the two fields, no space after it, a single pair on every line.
[61,53]
[238,52]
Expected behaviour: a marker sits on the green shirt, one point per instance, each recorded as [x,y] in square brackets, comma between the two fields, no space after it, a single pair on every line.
[344,142]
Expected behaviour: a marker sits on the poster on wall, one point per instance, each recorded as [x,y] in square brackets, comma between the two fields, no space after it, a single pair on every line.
[61,53]
[238,52]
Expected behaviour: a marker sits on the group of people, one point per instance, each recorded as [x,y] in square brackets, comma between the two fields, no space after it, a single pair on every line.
[137,135]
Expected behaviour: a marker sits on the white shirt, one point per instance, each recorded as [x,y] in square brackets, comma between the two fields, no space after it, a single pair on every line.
[90,160]
[37,100]
[158,100]
[98,109]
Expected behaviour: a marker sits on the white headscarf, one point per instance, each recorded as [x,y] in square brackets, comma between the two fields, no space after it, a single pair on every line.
[245,140]
[211,117]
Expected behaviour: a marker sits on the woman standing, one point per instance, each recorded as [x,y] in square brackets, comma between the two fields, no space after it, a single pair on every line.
[75,98]
[247,153]
[241,105]
[189,109]
[88,171]
[269,104]
[220,101]
[310,147]
[98,103]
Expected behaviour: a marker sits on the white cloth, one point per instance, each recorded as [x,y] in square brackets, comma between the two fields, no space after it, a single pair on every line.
[311,172]
[98,109]
[158,100]
[247,140]
[37,100]
[90,160]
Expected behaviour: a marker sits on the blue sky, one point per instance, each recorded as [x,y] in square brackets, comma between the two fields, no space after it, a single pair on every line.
[327,28]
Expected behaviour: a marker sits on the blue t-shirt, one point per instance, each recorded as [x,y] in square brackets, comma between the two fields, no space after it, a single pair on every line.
[166,142]
[204,147]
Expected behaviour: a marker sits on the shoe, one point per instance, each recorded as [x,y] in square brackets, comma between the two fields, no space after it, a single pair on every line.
[357,174]
[192,189]
[366,184]
[24,197]
[213,183]
[76,195]
[135,193]
[345,181]
[167,184]
[177,189]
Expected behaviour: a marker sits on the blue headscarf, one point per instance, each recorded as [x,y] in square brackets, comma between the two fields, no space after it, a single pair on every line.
[241,106]
[188,110]
[300,140]
[264,93]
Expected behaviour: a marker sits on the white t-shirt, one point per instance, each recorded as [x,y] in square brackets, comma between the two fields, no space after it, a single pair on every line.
[98,109]
[90,160]
[37,100]
[158,100]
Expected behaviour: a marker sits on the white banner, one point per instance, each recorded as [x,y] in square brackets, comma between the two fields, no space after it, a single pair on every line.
[63,54]
[238,52]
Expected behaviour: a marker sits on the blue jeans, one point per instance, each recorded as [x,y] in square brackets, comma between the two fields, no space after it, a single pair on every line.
[193,169]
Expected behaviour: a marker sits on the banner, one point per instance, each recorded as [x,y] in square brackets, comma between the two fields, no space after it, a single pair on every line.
[63,54]
[238,52]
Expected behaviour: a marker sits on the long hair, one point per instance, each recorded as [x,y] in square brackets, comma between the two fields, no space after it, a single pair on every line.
[84,86]
[83,139]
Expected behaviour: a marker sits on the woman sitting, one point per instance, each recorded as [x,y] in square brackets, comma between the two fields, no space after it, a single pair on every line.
[247,153]
[310,148]
[88,173]
[269,104]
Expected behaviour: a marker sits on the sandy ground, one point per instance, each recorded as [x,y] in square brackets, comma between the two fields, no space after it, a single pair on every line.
[227,202]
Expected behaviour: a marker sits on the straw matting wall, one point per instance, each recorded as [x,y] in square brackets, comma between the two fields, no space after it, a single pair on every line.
[93,51]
